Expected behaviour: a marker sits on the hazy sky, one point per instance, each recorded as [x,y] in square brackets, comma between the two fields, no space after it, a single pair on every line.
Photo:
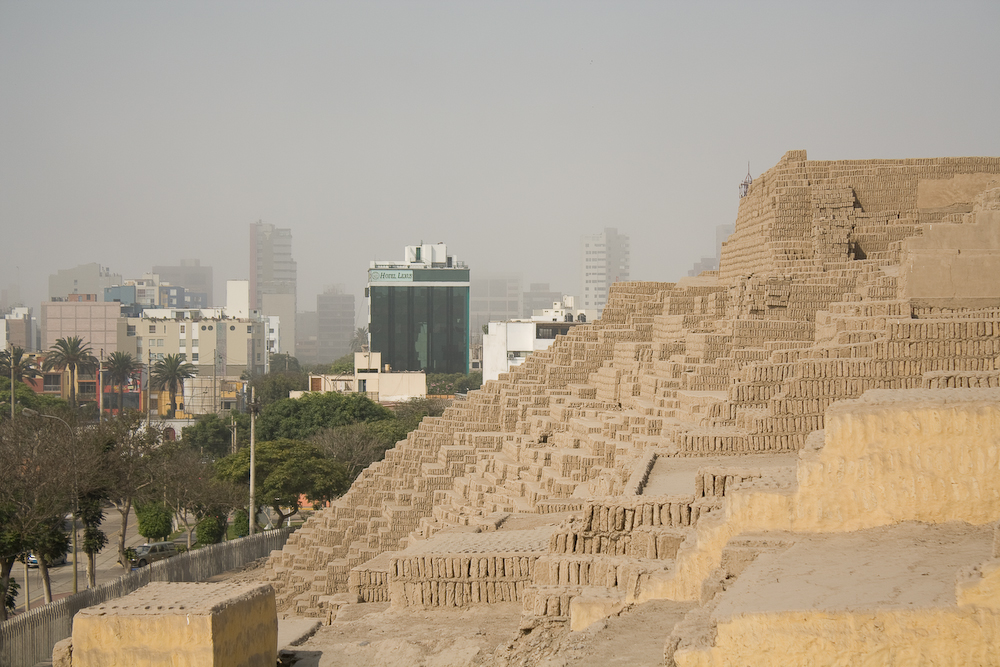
[140,133]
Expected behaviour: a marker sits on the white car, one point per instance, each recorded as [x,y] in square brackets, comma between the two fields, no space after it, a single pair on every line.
[33,560]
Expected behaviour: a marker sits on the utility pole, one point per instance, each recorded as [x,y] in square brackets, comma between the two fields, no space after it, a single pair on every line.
[100,389]
[149,384]
[13,399]
[215,380]
[253,442]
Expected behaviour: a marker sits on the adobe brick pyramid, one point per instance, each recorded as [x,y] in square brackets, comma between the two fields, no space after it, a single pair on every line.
[552,486]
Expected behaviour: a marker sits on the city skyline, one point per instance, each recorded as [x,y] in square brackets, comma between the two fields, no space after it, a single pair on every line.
[506,130]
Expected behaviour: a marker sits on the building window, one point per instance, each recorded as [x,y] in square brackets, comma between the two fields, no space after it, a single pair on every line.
[130,330]
[249,328]
[194,356]
[52,382]
[182,328]
[152,328]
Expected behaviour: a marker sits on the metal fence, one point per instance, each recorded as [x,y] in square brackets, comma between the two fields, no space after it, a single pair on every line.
[28,639]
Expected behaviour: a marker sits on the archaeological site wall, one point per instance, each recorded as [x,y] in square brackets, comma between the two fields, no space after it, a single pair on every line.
[840,278]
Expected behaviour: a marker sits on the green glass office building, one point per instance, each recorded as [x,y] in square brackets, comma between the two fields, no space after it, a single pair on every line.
[419,311]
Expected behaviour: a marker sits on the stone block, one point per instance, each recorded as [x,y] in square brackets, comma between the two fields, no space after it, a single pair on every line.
[179,625]
[593,605]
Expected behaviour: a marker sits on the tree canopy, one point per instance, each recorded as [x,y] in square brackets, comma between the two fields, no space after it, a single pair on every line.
[344,365]
[40,466]
[442,384]
[71,354]
[359,341]
[275,386]
[24,366]
[121,368]
[212,434]
[169,373]
[26,398]
[297,419]
[285,470]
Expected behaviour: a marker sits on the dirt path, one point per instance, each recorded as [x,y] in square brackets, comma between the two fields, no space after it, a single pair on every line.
[373,634]
[485,636]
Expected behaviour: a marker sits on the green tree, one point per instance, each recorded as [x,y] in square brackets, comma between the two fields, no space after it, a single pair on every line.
[169,373]
[122,368]
[24,366]
[132,466]
[359,341]
[411,412]
[357,446]
[286,470]
[441,384]
[241,523]
[276,385]
[283,363]
[10,599]
[155,520]
[191,489]
[212,435]
[49,543]
[343,365]
[27,398]
[73,354]
[90,511]
[297,419]
[37,477]
[211,530]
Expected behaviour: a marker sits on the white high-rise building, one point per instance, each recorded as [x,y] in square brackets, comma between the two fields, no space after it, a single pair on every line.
[604,259]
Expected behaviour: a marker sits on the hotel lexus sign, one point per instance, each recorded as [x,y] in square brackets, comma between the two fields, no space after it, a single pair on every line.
[390,276]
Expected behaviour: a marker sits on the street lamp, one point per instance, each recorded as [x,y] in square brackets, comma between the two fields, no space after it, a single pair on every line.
[72,433]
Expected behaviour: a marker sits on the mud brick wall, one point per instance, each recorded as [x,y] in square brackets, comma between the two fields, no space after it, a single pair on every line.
[459,580]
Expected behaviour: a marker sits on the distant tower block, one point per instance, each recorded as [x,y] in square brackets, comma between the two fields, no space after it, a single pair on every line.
[209,624]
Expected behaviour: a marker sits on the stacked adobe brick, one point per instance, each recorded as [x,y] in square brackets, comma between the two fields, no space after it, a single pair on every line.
[806,309]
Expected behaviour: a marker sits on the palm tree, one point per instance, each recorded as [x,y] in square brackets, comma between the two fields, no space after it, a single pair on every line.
[169,373]
[122,367]
[24,366]
[359,342]
[72,353]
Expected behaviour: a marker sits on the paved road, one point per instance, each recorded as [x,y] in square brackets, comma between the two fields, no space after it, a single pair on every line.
[61,576]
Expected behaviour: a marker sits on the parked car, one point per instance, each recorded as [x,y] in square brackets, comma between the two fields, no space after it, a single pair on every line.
[150,553]
[33,560]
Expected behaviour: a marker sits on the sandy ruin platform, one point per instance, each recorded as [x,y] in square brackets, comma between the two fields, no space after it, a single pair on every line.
[909,565]
[676,475]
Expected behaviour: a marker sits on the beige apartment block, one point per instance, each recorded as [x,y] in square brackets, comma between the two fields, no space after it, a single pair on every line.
[99,324]
[831,389]
[221,349]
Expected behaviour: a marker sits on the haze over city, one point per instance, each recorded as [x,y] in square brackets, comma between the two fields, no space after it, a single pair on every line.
[137,134]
